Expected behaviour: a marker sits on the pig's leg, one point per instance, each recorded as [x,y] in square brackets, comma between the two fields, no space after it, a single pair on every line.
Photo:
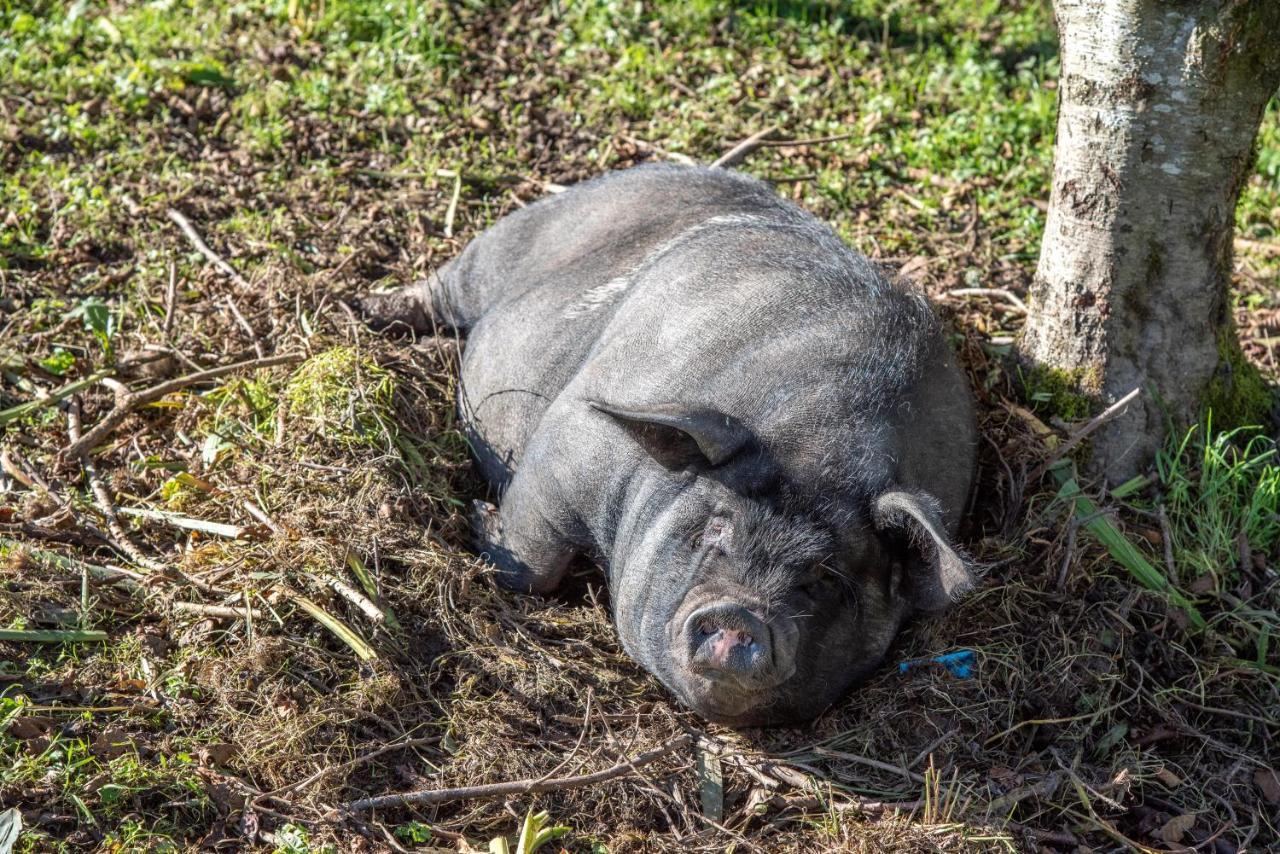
[522,538]
[426,306]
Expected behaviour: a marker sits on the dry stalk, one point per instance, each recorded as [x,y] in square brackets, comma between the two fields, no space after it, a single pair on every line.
[203,248]
[517,787]
[740,152]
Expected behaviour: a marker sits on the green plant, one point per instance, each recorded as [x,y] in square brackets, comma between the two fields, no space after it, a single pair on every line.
[98,319]
[1222,496]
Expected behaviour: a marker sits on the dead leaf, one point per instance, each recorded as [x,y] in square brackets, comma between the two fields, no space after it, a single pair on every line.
[1170,779]
[217,754]
[1268,781]
[1202,585]
[30,726]
[111,743]
[1175,828]
[1006,777]
[129,686]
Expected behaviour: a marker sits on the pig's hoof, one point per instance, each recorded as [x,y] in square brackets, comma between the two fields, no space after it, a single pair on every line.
[404,309]
[486,530]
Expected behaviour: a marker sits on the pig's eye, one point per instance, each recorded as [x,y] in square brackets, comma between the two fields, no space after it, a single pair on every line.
[823,575]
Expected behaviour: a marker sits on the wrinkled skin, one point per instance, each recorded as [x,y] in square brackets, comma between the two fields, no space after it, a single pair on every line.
[764,442]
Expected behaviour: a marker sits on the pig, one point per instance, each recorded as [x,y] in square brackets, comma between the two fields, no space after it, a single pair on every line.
[764,441]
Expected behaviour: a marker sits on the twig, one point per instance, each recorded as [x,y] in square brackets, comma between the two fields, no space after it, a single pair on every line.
[127,578]
[261,515]
[870,763]
[1166,540]
[817,140]
[170,301]
[452,210]
[1009,296]
[518,787]
[1108,414]
[244,324]
[739,152]
[224,611]
[136,399]
[359,760]
[356,598]
[1265,247]
[53,397]
[1042,790]
[198,242]
[670,155]
[933,745]
[119,537]
[187,522]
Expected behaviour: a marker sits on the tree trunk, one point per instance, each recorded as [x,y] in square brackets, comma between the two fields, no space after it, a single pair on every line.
[1159,105]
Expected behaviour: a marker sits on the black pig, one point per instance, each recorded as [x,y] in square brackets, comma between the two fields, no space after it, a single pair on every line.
[764,441]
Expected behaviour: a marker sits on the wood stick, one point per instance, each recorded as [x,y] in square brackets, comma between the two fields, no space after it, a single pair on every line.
[119,537]
[739,152]
[229,612]
[356,598]
[1079,436]
[170,301]
[203,248]
[817,140]
[137,399]
[517,787]
[1007,295]
[189,523]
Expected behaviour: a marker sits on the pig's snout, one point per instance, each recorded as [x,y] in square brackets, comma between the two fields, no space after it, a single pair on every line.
[727,640]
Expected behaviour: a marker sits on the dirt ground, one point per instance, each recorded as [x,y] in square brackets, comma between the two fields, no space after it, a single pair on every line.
[276,554]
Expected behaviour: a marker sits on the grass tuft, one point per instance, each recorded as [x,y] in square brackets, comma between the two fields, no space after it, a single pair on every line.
[340,396]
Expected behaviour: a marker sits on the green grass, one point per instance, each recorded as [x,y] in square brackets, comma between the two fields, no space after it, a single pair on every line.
[304,139]
[1223,493]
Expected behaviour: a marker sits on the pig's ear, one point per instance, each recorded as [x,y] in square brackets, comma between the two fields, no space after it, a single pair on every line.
[678,436]
[943,576]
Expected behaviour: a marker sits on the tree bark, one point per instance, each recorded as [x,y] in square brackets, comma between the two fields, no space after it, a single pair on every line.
[1159,106]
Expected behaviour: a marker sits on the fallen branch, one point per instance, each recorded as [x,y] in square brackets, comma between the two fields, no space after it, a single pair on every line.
[135,399]
[739,152]
[203,248]
[517,787]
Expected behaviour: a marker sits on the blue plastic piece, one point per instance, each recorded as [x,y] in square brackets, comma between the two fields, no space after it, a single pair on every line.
[959,664]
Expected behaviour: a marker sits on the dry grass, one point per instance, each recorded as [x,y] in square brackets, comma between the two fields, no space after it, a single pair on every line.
[377,655]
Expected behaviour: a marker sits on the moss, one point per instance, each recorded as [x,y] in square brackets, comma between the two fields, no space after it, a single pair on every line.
[1059,392]
[343,396]
[1238,395]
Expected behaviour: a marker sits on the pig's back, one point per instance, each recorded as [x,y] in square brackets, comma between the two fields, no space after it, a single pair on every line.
[677,285]
[536,289]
